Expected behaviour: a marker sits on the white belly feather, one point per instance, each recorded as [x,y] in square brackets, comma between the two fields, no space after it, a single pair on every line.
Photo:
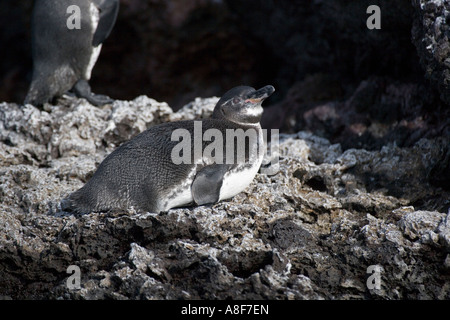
[95,17]
[236,181]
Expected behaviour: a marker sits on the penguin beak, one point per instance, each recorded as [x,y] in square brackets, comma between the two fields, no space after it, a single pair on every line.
[258,96]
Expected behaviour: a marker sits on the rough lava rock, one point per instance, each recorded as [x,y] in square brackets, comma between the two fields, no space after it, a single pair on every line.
[307,231]
[431,36]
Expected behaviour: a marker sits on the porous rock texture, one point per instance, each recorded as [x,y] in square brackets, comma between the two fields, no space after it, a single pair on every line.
[431,36]
[309,229]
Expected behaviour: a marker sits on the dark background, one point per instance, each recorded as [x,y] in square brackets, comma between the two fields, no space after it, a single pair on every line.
[334,76]
[178,49]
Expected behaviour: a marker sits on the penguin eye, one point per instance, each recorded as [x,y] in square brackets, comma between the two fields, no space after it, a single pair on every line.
[236,100]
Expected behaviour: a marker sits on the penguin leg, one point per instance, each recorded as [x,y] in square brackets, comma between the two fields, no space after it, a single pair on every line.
[207,183]
[83,90]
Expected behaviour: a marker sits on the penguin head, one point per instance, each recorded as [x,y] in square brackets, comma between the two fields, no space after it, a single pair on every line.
[242,104]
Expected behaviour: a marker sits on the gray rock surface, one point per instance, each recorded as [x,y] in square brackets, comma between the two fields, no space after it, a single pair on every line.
[309,231]
[431,36]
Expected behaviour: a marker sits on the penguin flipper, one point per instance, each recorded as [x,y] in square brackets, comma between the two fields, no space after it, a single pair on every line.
[108,15]
[207,183]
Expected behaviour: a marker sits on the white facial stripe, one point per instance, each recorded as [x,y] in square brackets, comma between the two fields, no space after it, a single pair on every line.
[254,111]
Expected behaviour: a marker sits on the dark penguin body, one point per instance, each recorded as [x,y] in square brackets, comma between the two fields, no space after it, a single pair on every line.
[141,173]
[63,57]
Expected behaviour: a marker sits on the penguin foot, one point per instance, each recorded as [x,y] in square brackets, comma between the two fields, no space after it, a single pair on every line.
[99,99]
[82,89]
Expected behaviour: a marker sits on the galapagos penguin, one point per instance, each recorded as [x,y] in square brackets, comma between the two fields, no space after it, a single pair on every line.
[63,53]
[146,172]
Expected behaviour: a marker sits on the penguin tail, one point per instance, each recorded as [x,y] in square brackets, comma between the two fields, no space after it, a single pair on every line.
[67,205]
[72,204]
